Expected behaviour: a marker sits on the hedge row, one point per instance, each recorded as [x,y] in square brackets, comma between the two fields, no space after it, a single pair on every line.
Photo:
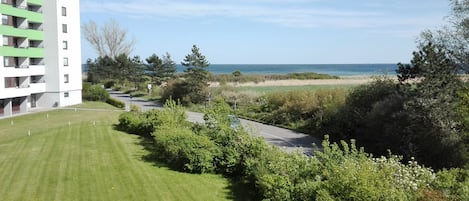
[338,172]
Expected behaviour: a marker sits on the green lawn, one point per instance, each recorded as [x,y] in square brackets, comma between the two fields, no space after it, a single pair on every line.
[87,159]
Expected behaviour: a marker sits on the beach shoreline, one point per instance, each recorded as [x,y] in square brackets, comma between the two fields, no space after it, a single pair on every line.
[343,80]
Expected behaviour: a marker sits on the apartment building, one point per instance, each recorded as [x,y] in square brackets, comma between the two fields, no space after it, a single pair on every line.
[40,55]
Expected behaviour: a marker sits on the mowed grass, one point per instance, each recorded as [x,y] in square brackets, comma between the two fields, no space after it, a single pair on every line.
[87,159]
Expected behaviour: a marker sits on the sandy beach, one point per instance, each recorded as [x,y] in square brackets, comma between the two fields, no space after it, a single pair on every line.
[344,80]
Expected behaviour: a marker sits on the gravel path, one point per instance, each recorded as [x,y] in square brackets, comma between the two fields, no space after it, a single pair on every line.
[284,138]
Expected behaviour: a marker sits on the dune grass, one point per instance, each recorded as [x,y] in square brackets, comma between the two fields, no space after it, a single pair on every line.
[77,155]
[273,89]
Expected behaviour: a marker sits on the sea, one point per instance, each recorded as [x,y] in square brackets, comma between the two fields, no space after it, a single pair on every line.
[331,69]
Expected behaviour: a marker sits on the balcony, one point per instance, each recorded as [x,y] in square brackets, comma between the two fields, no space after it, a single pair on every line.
[35,2]
[37,88]
[19,12]
[23,90]
[27,33]
[15,72]
[37,70]
[22,52]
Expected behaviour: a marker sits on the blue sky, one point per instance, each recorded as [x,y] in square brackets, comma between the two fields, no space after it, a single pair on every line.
[272,31]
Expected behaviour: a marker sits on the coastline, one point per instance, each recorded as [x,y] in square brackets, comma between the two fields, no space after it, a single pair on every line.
[343,80]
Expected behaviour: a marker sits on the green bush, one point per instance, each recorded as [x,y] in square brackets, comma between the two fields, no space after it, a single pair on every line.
[453,183]
[302,110]
[139,123]
[94,93]
[175,90]
[109,84]
[116,103]
[185,151]
[339,172]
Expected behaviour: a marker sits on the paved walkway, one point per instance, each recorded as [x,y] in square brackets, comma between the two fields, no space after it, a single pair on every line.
[284,138]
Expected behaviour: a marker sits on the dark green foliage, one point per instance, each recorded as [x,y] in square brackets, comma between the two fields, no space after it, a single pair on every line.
[116,103]
[102,68]
[301,110]
[159,69]
[185,151]
[236,74]
[196,75]
[432,103]
[453,183]
[372,115]
[121,69]
[422,116]
[176,90]
[338,172]
[193,88]
[94,93]
[139,123]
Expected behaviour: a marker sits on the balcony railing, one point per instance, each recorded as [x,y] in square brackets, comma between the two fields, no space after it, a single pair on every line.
[23,66]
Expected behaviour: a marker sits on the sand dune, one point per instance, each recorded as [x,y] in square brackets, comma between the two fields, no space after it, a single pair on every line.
[345,80]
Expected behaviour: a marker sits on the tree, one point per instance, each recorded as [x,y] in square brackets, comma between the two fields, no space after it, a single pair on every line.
[129,69]
[109,40]
[101,68]
[454,38]
[237,74]
[433,104]
[155,69]
[196,75]
[160,69]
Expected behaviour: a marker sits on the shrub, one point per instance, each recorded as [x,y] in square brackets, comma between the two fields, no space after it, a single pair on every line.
[339,172]
[139,123]
[94,93]
[116,103]
[304,110]
[453,183]
[175,90]
[185,151]
[109,84]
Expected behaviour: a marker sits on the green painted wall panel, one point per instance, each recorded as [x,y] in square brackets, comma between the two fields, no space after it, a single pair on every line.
[21,52]
[28,33]
[20,12]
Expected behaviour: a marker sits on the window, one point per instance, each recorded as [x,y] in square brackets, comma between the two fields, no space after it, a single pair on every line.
[6,61]
[65,61]
[4,19]
[64,28]
[66,78]
[64,11]
[65,45]
[66,94]
[12,82]
[5,41]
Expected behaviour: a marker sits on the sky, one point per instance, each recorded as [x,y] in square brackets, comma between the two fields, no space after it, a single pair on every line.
[272,31]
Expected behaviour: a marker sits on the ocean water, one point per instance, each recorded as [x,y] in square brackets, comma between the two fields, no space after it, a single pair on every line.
[331,69]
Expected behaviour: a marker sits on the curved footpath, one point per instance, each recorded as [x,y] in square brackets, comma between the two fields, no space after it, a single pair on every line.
[284,138]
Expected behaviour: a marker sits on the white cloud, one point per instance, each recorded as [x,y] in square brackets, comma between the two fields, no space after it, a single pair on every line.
[292,13]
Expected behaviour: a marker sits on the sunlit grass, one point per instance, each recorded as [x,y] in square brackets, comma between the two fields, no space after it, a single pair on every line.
[77,155]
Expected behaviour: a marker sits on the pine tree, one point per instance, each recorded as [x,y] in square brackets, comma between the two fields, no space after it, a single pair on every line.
[159,69]
[196,76]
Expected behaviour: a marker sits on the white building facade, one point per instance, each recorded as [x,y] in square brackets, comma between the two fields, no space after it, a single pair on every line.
[40,55]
